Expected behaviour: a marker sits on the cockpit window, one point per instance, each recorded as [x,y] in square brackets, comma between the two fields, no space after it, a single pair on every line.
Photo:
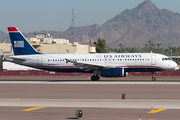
[164,59]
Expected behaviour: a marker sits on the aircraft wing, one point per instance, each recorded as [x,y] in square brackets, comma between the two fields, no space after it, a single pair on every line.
[87,65]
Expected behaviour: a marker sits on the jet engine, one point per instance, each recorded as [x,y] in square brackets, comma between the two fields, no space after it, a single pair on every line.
[113,72]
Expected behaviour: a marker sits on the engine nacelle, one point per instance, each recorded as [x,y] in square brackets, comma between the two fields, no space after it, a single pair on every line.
[113,72]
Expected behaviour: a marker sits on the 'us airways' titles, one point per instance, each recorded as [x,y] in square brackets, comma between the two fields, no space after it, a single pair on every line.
[123,56]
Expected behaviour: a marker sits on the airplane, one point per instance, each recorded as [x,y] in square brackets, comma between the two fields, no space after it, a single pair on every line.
[100,64]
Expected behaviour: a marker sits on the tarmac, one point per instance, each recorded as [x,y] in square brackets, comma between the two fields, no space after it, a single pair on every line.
[52,98]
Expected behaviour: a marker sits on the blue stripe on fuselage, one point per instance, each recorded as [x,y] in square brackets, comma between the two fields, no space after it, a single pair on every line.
[84,70]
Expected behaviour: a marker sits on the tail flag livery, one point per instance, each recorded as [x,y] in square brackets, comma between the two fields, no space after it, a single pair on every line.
[19,43]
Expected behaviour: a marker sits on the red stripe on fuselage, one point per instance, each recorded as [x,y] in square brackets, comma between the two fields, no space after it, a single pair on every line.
[12,29]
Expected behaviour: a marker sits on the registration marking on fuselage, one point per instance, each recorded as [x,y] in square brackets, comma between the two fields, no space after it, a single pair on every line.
[155,111]
[35,108]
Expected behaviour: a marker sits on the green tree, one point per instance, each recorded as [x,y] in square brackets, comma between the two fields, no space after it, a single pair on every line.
[120,47]
[146,45]
[101,46]
[153,47]
[158,44]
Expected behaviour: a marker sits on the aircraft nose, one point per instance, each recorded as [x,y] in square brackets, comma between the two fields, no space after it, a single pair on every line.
[174,65]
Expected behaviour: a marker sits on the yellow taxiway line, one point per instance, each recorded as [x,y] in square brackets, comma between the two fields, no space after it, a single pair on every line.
[32,109]
[149,119]
[155,111]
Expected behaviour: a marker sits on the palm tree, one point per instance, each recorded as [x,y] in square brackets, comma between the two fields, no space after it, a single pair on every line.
[120,46]
[149,44]
[158,44]
[146,45]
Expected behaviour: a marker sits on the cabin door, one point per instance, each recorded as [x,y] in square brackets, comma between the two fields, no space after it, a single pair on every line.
[153,60]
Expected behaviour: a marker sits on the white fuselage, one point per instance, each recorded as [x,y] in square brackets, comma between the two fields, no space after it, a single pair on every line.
[132,62]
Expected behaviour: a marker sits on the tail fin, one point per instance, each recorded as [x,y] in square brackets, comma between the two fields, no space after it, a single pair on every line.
[20,44]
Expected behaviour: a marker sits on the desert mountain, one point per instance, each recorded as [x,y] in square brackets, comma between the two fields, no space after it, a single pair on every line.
[132,28]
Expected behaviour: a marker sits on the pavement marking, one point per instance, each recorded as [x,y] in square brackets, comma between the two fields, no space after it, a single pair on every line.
[149,119]
[32,108]
[155,111]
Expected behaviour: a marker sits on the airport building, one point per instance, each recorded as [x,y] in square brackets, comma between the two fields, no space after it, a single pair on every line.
[45,43]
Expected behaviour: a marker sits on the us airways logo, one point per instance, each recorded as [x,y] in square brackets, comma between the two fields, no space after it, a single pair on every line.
[123,56]
[18,44]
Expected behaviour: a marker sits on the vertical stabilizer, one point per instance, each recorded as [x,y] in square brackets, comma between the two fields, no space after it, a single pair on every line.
[19,43]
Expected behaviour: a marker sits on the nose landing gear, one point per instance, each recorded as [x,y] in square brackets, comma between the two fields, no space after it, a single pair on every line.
[153,77]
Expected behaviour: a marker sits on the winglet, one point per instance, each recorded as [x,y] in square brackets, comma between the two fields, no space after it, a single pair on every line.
[67,60]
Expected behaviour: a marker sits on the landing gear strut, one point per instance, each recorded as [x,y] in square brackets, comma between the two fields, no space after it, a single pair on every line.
[153,77]
[94,78]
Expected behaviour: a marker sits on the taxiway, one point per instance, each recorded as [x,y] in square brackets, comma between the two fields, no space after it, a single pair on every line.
[58,99]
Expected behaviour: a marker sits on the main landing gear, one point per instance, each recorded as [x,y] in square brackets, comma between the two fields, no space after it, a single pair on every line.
[94,78]
[153,77]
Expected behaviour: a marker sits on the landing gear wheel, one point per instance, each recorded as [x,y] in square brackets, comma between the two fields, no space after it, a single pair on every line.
[94,78]
[153,78]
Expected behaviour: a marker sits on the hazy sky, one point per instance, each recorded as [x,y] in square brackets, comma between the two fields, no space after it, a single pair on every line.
[37,15]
